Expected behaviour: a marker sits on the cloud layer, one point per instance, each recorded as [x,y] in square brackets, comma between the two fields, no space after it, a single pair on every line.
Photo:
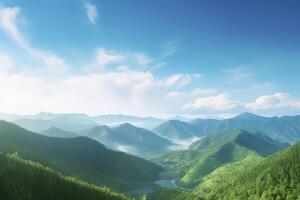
[117,82]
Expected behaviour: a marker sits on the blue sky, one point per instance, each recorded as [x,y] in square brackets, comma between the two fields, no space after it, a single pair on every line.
[162,58]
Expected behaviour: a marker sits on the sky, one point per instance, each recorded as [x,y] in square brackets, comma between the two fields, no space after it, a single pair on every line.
[203,58]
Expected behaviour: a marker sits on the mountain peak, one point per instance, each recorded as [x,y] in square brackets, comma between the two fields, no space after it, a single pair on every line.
[126,125]
[248,115]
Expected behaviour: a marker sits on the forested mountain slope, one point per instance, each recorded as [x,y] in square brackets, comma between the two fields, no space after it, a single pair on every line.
[131,139]
[27,180]
[283,129]
[79,156]
[274,177]
[177,130]
[209,153]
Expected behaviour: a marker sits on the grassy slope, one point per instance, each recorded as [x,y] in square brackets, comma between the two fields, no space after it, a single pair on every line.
[80,157]
[27,180]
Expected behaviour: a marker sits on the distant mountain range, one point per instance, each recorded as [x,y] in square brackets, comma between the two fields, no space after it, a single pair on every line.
[177,130]
[79,156]
[56,132]
[76,122]
[283,129]
[130,139]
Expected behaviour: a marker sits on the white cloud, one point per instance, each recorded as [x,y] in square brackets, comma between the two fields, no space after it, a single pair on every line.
[142,59]
[275,104]
[8,22]
[119,91]
[105,57]
[181,80]
[274,101]
[91,11]
[6,61]
[221,102]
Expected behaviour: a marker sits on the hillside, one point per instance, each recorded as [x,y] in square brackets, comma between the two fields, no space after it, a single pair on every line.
[176,130]
[23,179]
[274,177]
[128,138]
[284,129]
[79,156]
[57,132]
[206,155]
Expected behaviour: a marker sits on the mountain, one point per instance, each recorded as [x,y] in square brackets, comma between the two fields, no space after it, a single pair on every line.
[40,125]
[80,156]
[283,129]
[115,120]
[128,138]
[274,177]
[56,132]
[260,143]
[176,130]
[24,179]
[77,121]
[206,155]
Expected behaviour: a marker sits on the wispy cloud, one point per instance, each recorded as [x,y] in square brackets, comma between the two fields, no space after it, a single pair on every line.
[92,12]
[236,75]
[169,48]
[105,57]
[9,21]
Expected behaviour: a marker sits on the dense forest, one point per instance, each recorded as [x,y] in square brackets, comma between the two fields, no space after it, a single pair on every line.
[214,151]
[275,177]
[80,157]
[26,180]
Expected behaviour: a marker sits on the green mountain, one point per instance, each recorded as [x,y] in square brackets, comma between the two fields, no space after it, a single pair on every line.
[128,138]
[206,155]
[176,129]
[24,180]
[283,129]
[57,132]
[80,156]
[276,177]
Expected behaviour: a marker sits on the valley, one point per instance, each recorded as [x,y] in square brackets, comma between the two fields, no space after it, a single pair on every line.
[163,168]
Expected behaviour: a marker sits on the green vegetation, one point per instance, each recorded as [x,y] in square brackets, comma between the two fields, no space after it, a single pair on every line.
[175,129]
[275,177]
[131,139]
[26,180]
[212,152]
[80,157]
[284,129]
